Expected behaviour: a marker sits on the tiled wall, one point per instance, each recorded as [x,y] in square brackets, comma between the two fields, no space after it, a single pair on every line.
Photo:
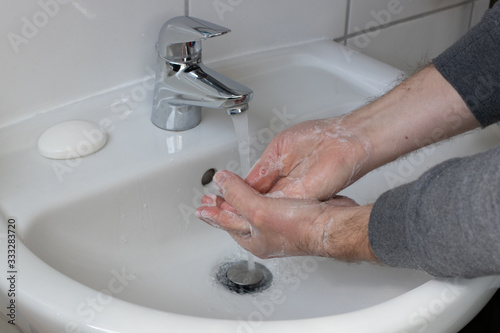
[56,51]
[406,33]
[264,24]
[53,52]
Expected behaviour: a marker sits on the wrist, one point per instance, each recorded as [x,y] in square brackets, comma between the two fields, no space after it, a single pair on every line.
[344,234]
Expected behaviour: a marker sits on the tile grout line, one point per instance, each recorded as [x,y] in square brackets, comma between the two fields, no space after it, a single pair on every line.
[347,20]
[404,20]
[471,14]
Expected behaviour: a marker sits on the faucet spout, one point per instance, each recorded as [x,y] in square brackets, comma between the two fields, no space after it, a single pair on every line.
[184,85]
[237,109]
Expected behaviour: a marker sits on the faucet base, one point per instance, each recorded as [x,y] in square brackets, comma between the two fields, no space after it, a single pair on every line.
[176,117]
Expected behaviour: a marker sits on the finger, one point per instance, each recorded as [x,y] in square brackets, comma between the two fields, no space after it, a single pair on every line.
[225,206]
[211,200]
[238,193]
[296,186]
[288,187]
[223,219]
[265,172]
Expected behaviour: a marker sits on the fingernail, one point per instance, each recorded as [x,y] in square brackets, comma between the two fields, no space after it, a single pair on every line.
[218,179]
[208,200]
[220,176]
[212,200]
[203,215]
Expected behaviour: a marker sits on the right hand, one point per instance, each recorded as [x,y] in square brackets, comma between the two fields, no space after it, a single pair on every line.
[312,160]
[283,227]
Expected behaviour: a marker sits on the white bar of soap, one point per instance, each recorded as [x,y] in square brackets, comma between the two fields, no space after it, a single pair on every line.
[71,139]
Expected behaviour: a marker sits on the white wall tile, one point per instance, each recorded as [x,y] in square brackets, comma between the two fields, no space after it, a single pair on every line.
[409,44]
[78,49]
[82,48]
[264,24]
[365,14]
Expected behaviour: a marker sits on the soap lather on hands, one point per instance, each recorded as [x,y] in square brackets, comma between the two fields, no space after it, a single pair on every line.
[287,203]
[287,206]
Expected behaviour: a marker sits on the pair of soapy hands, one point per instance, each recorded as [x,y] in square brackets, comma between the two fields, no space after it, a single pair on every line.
[287,205]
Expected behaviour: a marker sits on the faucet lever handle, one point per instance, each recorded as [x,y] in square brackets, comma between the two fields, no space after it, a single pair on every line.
[185,29]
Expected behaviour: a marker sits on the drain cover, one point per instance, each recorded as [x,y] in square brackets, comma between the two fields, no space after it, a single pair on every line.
[236,277]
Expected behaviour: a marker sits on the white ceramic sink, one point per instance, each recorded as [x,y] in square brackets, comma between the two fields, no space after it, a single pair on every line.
[109,242]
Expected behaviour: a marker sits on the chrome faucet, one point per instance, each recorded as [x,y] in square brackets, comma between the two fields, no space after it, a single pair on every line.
[183,84]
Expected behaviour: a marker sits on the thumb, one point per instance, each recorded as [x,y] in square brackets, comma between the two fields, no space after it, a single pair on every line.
[238,193]
[264,173]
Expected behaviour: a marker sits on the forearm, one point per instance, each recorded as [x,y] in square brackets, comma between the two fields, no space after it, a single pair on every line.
[446,222]
[459,94]
[422,110]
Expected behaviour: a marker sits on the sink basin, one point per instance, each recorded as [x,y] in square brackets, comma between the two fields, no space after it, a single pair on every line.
[110,243]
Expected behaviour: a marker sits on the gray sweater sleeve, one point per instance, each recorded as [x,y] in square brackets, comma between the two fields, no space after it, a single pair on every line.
[448,221]
[472,67]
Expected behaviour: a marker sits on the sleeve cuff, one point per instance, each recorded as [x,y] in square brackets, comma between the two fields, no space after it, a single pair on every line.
[387,228]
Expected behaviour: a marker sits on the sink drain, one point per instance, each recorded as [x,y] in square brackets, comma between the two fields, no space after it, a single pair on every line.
[236,277]
[208,176]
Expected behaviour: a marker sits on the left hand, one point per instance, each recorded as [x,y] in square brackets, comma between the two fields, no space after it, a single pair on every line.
[278,227]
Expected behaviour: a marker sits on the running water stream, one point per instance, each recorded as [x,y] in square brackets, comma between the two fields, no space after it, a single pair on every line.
[240,122]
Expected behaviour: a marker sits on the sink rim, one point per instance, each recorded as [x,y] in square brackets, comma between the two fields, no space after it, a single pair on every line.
[41,304]
[44,302]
